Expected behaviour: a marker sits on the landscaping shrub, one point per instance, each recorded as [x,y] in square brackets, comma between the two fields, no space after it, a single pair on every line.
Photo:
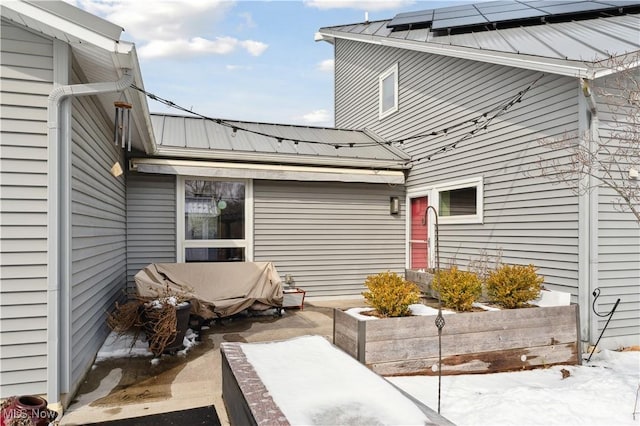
[458,289]
[390,294]
[512,286]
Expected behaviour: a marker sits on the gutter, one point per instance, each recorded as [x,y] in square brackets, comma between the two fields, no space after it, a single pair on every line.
[59,227]
[277,158]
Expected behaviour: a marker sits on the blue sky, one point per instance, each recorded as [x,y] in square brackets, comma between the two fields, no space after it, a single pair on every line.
[242,60]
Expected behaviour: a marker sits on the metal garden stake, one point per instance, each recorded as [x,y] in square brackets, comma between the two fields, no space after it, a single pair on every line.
[439,318]
[596,294]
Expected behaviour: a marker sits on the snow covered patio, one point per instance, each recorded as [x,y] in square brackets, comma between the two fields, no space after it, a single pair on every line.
[601,392]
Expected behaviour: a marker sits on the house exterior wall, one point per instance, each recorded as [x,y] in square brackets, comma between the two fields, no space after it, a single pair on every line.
[26,81]
[526,218]
[328,236]
[618,251]
[151,222]
[98,263]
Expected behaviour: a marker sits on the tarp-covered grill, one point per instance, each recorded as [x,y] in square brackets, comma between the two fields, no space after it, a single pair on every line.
[216,290]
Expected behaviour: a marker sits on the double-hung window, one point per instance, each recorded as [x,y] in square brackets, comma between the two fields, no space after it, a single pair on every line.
[388,92]
[213,220]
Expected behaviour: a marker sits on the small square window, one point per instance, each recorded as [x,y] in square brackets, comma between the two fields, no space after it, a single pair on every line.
[388,91]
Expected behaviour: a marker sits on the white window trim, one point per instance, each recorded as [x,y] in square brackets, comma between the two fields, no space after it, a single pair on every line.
[393,70]
[432,193]
[246,243]
[466,183]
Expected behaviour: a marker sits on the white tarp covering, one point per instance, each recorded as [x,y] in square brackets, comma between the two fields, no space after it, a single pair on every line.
[216,289]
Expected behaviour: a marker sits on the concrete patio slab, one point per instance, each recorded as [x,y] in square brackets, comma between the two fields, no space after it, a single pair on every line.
[133,387]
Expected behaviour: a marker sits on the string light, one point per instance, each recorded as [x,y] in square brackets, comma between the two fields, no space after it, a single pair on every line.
[498,111]
[480,123]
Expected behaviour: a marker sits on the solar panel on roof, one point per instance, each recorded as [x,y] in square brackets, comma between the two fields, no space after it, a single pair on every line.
[502,8]
[408,14]
[459,22]
[514,15]
[577,7]
[455,14]
[497,12]
[409,19]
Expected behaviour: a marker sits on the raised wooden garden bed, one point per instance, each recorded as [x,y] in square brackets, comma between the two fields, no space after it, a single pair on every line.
[472,342]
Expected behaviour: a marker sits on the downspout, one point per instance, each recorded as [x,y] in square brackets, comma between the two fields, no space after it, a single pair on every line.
[593,195]
[59,227]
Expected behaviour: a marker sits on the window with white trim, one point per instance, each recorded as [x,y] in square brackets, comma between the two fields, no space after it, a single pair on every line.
[388,92]
[213,220]
[461,201]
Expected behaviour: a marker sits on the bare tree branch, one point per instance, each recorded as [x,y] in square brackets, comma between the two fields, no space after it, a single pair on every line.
[609,153]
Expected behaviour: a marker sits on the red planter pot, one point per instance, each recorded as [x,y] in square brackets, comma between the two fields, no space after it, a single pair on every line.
[18,409]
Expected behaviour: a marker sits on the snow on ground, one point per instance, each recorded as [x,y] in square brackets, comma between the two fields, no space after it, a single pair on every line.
[116,346]
[600,393]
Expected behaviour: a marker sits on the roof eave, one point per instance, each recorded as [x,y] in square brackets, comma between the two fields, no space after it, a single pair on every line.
[142,115]
[123,54]
[50,23]
[224,155]
[547,65]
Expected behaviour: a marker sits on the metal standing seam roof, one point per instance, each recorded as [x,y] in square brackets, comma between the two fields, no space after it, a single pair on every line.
[562,47]
[194,137]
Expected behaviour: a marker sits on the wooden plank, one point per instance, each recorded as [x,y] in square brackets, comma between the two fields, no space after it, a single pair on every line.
[464,343]
[407,341]
[469,322]
[345,332]
[483,362]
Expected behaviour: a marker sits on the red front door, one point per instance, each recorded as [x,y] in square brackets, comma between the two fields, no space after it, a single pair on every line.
[418,239]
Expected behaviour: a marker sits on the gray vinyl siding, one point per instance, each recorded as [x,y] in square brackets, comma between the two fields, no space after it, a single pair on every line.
[26,79]
[98,232]
[618,243]
[151,221]
[527,218]
[328,236]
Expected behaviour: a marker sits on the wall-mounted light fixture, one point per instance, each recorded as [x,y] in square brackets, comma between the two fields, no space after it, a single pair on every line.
[633,173]
[394,205]
[116,169]
[122,124]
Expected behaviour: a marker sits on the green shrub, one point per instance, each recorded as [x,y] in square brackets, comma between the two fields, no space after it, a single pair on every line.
[390,294]
[458,289]
[512,286]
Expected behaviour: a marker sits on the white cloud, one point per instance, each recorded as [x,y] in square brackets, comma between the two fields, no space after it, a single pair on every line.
[371,6]
[173,28]
[319,116]
[255,48]
[198,46]
[248,21]
[238,67]
[327,65]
